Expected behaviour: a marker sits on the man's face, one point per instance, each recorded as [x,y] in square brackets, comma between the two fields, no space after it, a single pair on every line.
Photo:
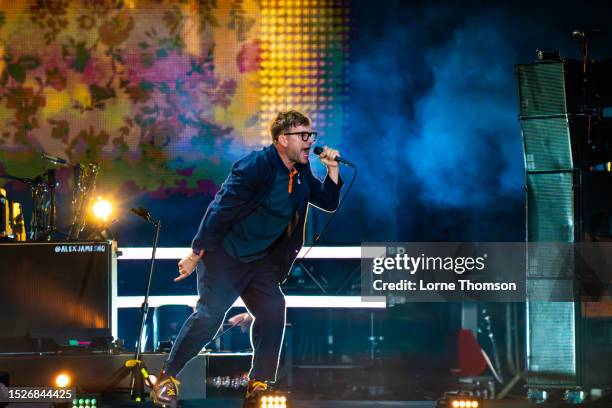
[297,150]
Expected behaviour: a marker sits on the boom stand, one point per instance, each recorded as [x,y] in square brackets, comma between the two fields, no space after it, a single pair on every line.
[136,367]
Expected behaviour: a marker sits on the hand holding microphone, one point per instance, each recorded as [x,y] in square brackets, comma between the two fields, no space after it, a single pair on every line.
[330,157]
[327,155]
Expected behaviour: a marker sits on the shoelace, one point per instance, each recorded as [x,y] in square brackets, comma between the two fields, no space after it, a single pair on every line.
[174,381]
[258,385]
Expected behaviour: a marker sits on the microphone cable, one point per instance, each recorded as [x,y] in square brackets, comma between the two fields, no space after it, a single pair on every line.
[329,220]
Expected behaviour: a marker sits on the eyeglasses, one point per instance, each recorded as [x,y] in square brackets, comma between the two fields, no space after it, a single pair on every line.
[304,135]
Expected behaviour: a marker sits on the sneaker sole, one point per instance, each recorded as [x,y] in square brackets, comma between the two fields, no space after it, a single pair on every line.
[165,405]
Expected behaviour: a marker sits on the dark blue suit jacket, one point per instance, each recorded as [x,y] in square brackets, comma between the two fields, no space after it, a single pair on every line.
[246,187]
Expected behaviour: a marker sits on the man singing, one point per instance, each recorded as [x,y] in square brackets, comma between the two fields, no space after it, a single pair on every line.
[246,244]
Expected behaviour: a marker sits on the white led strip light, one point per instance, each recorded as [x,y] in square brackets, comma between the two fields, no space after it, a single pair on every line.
[310,253]
[339,302]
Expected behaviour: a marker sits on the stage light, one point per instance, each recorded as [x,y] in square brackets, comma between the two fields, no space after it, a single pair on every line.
[86,401]
[296,37]
[455,401]
[62,380]
[273,401]
[102,209]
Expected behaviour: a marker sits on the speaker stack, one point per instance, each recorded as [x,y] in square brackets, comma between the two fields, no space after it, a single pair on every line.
[569,200]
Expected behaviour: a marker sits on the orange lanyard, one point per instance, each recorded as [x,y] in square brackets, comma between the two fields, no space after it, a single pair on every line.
[292,173]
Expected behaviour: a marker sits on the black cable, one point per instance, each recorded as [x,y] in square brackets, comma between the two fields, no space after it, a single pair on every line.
[348,190]
[225,331]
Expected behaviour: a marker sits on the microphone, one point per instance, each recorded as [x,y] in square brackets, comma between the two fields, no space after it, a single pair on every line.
[318,150]
[143,213]
[53,159]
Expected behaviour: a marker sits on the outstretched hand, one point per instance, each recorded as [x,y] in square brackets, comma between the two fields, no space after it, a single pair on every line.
[187,265]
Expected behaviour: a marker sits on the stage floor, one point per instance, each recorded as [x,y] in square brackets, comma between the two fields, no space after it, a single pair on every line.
[236,403]
[321,404]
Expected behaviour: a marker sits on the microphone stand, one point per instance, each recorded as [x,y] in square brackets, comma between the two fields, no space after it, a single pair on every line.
[136,367]
[144,309]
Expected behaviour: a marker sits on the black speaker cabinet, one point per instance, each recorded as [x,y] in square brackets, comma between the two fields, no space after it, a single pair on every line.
[565,207]
[56,290]
[567,202]
[549,88]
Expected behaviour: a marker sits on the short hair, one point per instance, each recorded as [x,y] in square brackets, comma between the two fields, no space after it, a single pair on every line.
[286,120]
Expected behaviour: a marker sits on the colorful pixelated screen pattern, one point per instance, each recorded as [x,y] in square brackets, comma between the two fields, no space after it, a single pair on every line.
[164,95]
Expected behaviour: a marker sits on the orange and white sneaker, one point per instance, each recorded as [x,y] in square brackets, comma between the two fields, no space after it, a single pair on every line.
[165,392]
[254,391]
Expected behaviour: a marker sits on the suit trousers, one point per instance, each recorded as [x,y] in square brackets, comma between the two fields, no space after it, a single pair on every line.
[221,280]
